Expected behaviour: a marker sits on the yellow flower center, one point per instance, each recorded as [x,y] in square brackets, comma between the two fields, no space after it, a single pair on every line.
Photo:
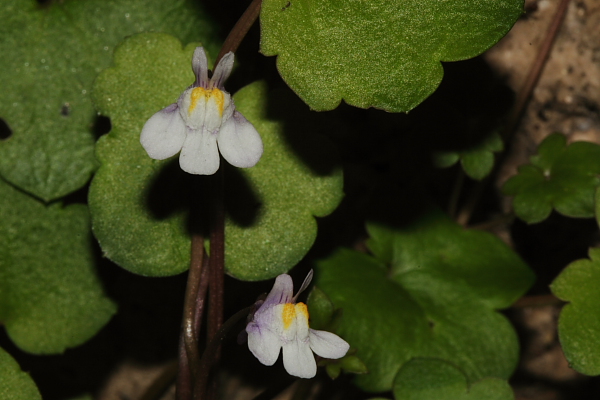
[290,311]
[214,94]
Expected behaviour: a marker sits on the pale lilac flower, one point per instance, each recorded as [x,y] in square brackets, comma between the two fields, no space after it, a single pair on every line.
[282,323]
[202,123]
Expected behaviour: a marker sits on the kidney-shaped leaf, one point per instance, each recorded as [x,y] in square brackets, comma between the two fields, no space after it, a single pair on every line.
[50,296]
[579,322]
[15,384]
[559,176]
[430,291]
[50,57]
[428,379]
[140,207]
[377,53]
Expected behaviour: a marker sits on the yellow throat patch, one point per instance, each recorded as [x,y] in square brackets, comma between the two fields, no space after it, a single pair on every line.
[290,311]
[206,95]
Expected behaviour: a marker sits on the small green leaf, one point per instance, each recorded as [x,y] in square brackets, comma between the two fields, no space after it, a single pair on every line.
[436,300]
[15,384]
[428,379]
[579,322]
[560,177]
[50,296]
[380,53]
[50,57]
[353,364]
[333,370]
[140,206]
[477,162]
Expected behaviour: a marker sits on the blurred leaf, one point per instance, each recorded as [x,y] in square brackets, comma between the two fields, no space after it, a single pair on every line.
[320,309]
[353,364]
[430,291]
[140,207]
[15,384]
[579,322]
[478,161]
[342,50]
[50,57]
[428,379]
[50,296]
[559,176]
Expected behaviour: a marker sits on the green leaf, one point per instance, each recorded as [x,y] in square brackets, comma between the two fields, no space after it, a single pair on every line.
[430,291]
[477,162]
[50,296]
[579,322]
[427,379]
[560,177]
[140,207]
[50,57]
[320,309]
[15,384]
[380,53]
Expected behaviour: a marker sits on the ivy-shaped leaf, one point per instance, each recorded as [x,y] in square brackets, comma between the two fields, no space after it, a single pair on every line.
[50,296]
[381,53]
[14,383]
[140,207]
[50,57]
[560,177]
[430,291]
[427,379]
[579,322]
[477,162]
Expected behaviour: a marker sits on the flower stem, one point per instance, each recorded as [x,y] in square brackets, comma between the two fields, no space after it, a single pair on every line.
[210,354]
[241,28]
[188,348]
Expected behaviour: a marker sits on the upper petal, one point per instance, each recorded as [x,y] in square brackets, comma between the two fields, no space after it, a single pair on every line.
[263,343]
[239,143]
[298,360]
[222,71]
[164,133]
[199,154]
[200,67]
[327,344]
[281,293]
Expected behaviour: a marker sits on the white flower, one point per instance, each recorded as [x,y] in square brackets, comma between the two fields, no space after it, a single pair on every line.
[282,323]
[203,119]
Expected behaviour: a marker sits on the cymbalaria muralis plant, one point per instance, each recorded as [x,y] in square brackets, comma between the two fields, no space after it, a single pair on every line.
[112,172]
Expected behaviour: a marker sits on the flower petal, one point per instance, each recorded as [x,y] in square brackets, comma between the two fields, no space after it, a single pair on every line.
[222,71]
[327,344]
[200,67]
[281,293]
[298,360]
[164,133]
[199,154]
[263,343]
[239,142]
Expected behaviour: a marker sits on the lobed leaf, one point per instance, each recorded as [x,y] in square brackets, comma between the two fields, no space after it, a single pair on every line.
[383,54]
[560,177]
[50,296]
[141,207]
[579,321]
[426,379]
[51,55]
[429,291]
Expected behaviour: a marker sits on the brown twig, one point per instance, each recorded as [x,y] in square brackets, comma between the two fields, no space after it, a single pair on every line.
[538,301]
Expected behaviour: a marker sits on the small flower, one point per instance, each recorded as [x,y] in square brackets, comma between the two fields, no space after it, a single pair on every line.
[281,323]
[203,122]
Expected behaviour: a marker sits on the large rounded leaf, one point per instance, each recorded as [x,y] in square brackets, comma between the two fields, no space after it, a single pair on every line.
[377,53]
[50,296]
[141,207]
[50,57]
[430,291]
